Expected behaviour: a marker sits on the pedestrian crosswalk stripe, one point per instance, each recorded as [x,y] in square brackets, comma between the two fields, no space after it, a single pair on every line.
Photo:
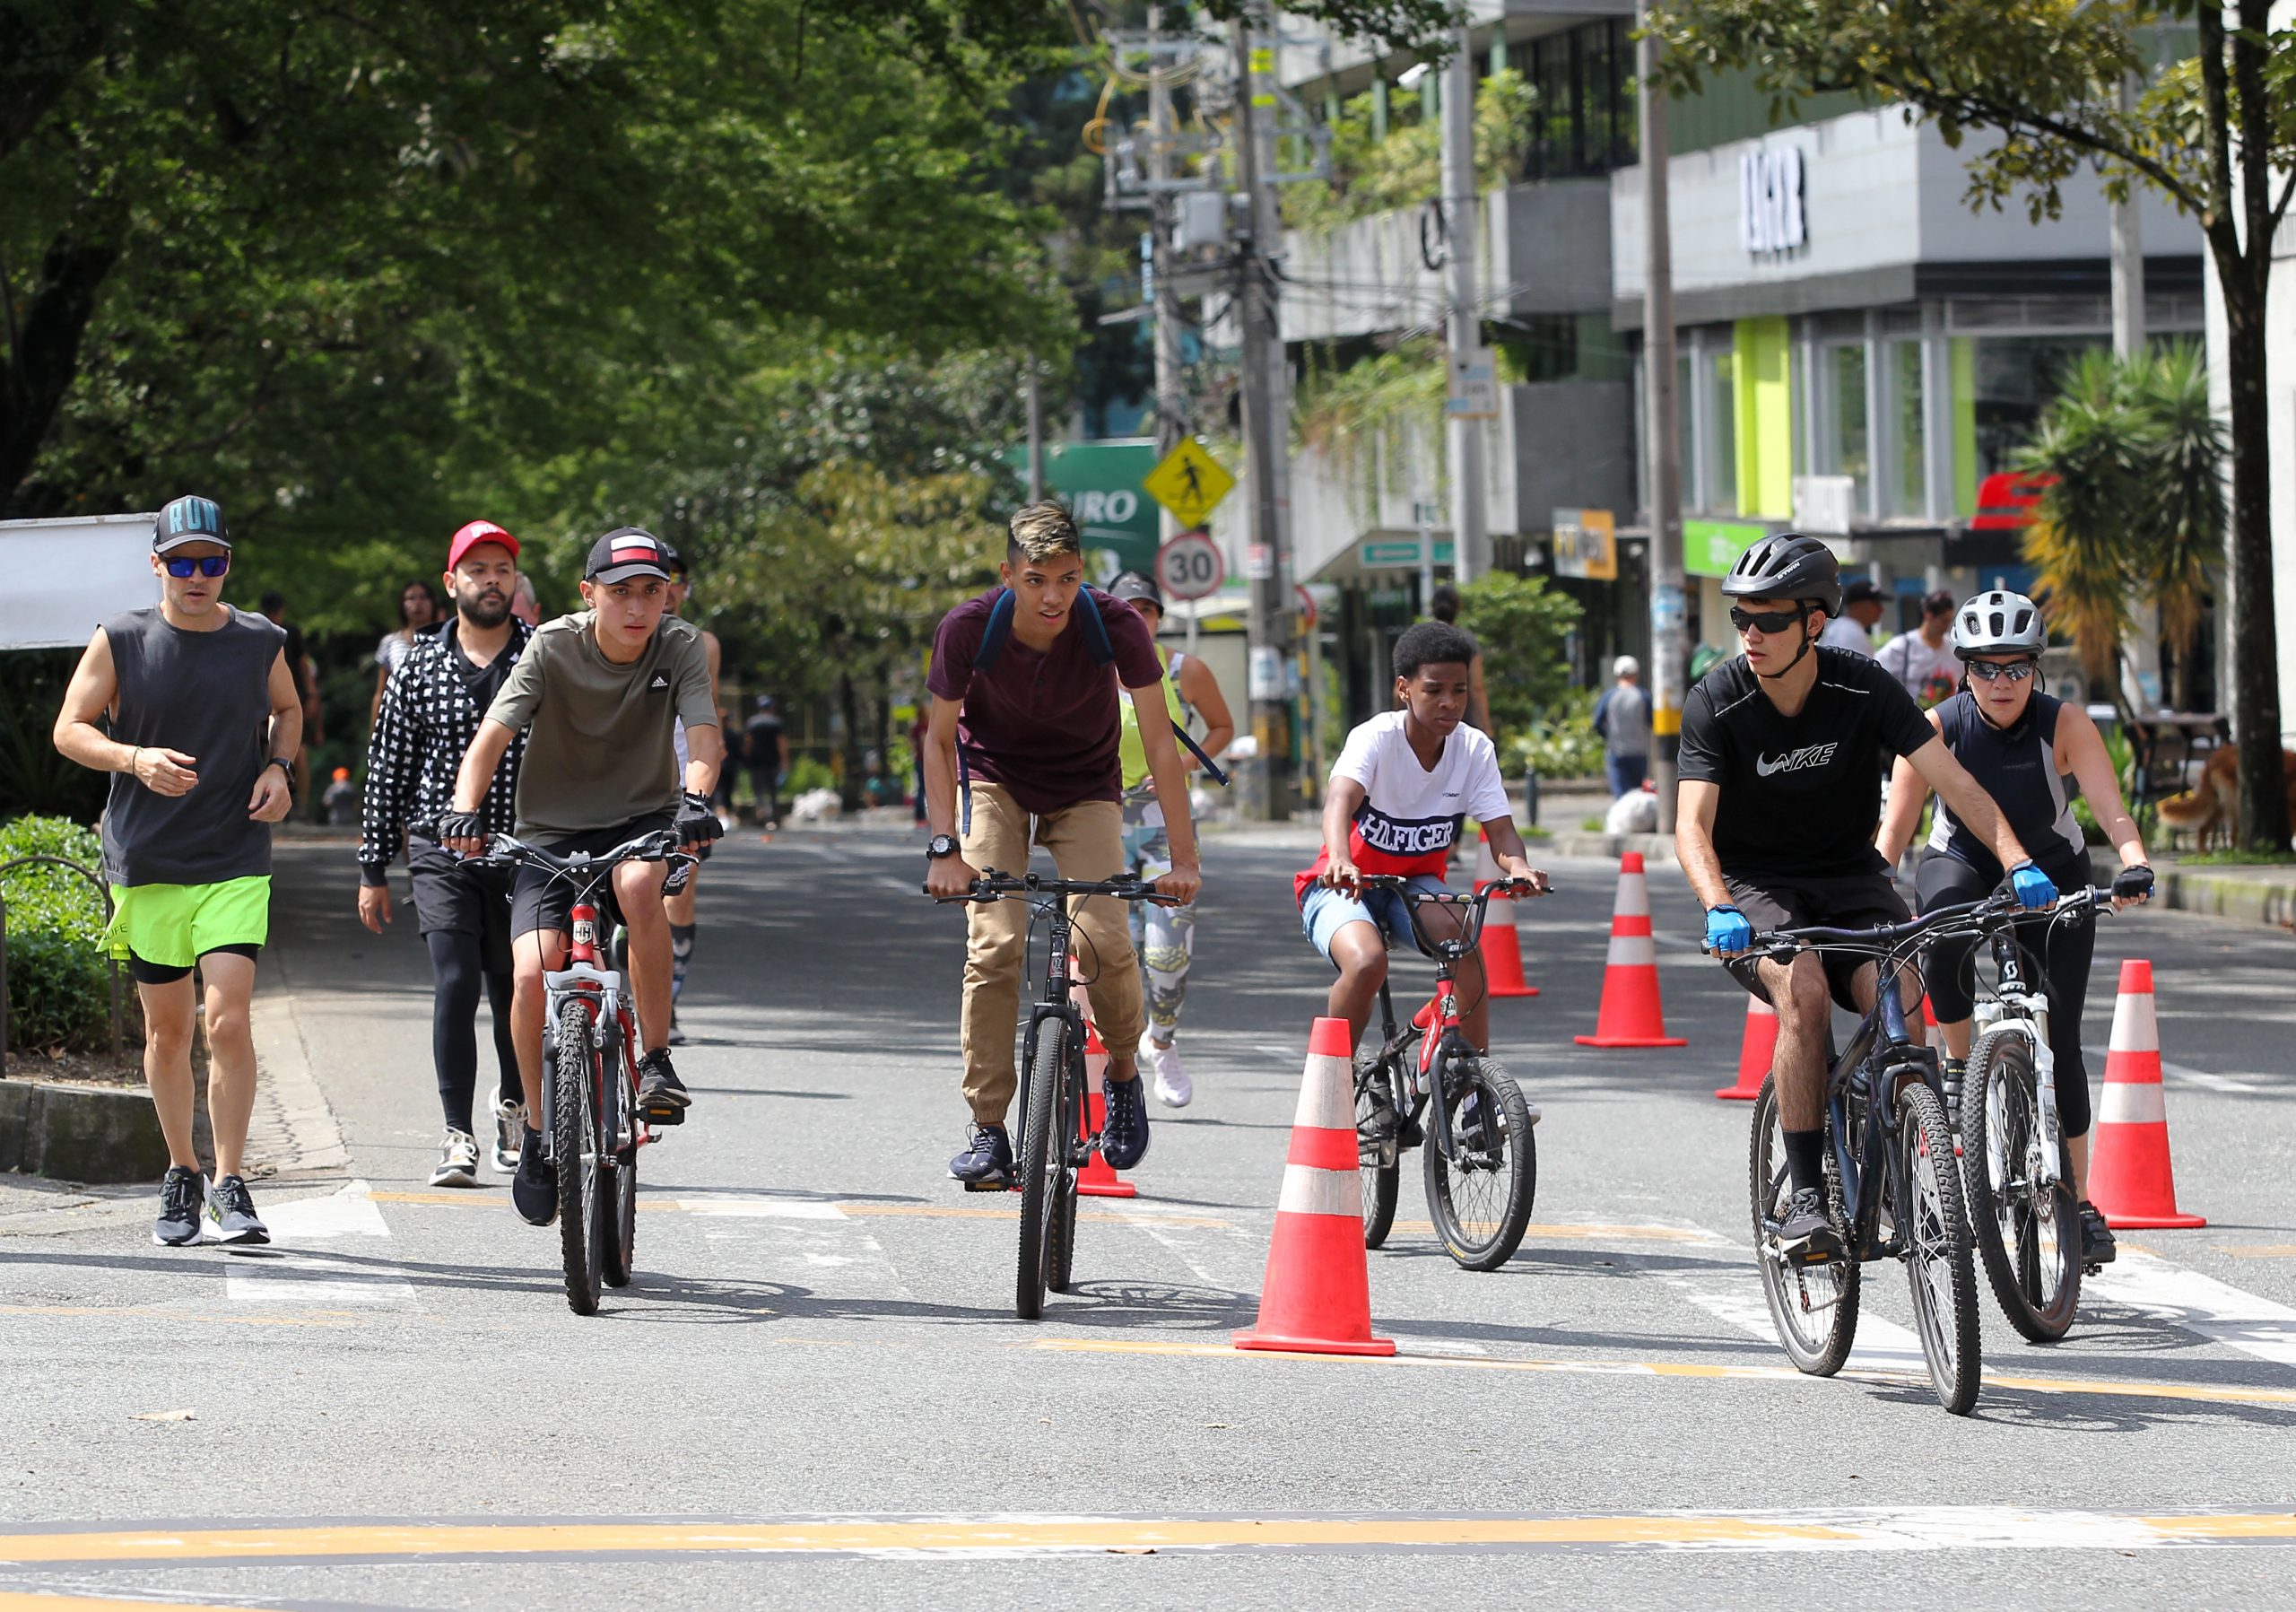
[2217,1311]
[292,1272]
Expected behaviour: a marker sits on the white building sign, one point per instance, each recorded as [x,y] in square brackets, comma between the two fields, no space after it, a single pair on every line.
[1769,200]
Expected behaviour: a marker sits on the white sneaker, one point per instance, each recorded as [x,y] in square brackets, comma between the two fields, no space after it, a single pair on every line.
[457,1160]
[509,1131]
[1173,1087]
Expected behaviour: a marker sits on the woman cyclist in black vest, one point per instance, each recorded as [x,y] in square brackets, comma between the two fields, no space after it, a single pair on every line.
[2033,754]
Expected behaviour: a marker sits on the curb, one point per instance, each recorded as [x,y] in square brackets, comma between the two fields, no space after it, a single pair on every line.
[99,1134]
[1654,847]
[2270,902]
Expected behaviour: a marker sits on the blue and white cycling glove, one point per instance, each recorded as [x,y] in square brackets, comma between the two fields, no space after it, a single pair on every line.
[1727,930]
[2033,887]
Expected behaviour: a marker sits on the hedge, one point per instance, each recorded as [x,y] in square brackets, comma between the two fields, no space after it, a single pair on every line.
[59,990]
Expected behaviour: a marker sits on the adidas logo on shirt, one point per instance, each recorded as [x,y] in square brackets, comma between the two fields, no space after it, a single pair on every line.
[659,681]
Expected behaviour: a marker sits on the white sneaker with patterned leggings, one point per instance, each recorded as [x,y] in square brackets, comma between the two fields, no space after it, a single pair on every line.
[458,1163]
[509,1131]
[1174,1089]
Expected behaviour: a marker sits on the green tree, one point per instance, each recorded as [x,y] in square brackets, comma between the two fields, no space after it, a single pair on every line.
[1520,623]
[2216,133]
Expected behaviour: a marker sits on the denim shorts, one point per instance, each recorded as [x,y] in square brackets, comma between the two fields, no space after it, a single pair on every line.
[1324,910]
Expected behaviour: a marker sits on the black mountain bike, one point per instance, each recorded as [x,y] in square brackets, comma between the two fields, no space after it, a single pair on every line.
[590,1122]
[2020,1169]
[1893,1190]
[1482,1167]
[1056,1140]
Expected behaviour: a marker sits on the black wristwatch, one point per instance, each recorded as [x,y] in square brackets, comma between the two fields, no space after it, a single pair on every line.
[940,846]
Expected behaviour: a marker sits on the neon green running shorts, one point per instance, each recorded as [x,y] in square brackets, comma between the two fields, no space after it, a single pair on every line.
[176,925]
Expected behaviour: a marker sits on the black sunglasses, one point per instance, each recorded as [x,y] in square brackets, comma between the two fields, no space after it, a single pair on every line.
[206,565]
[2016,671]
[1769,620]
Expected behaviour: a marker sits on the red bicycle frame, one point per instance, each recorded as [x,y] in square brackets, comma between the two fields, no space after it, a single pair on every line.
[583,919]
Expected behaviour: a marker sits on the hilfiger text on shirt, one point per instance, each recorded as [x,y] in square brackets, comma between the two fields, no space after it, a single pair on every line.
[1401,837]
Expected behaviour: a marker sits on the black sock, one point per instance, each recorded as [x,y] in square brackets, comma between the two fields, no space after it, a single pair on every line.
[1805,1159]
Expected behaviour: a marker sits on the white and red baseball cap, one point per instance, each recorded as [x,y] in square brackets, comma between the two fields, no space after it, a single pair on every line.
[473,534]
[625,553]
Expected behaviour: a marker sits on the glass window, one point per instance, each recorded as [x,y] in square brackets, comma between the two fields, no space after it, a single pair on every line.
[1584,124]
[1846,379]
[1722,434]
[1911,495]
[1686,435]
[2017,378]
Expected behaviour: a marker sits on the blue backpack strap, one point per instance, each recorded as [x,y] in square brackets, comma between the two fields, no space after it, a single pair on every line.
[999,629]
[1096,627]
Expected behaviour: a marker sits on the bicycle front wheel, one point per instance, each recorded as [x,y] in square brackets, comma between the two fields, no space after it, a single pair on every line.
[1934,1222]
[1480,1197]
[1379,1149]
[1044,1163]
[1815,1307]
[2028,1232]
[574,1126]
[622,1195]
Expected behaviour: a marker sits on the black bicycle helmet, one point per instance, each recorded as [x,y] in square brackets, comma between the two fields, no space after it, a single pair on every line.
[1788,566]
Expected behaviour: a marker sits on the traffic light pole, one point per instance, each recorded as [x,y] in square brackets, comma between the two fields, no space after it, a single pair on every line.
[1662,442]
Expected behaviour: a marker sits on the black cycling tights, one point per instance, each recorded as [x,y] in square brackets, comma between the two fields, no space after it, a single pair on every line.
[456,965]
[2067,952]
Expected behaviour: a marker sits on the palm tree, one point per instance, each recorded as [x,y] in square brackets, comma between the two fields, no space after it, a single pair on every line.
[2188,526]
[2100,448]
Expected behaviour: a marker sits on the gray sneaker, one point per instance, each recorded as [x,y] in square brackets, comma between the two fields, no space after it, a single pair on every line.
[509,1130]
[458,1163]
[231,1212]
[180,1193]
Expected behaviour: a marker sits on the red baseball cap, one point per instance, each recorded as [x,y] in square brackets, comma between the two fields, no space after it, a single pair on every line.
[477,532]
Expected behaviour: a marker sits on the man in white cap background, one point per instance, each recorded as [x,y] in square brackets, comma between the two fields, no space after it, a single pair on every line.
[1622,717]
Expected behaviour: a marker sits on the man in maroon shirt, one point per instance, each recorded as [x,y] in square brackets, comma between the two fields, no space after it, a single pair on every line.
[1039,726]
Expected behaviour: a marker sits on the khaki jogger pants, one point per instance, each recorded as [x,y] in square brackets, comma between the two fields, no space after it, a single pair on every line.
[1087,842]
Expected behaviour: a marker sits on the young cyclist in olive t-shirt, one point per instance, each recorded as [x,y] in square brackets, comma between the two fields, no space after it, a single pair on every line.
[598,693]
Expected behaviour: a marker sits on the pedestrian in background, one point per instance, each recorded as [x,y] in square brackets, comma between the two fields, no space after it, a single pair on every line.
[1622,718]
[418,611]
[1861,608]
[206,720]
[767,745]
[273,606]
[523,603]
[1922,661]
[1443,605]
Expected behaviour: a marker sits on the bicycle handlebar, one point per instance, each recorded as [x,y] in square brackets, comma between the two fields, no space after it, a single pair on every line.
[660,846]
[1779,945]
[993,885]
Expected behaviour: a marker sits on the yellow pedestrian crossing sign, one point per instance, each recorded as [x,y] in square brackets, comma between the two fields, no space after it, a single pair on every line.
[1189,482]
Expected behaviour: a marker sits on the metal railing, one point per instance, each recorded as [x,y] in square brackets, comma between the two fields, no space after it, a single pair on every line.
[111,963]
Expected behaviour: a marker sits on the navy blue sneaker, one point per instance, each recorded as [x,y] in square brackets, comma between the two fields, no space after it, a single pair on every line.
[534,1189]
[1124,1136]
[985,1165]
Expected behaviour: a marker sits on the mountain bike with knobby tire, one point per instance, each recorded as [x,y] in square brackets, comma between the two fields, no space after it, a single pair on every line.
[1481,1162]
[1893,1185]
[2020,1166]
[591,1122]
[1056,1138]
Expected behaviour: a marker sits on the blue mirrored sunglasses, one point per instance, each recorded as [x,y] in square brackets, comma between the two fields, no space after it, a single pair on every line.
[206,565]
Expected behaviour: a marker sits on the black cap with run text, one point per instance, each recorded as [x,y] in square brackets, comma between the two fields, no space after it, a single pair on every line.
[625,553]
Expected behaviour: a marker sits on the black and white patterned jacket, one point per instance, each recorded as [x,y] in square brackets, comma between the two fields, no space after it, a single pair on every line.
[427,720]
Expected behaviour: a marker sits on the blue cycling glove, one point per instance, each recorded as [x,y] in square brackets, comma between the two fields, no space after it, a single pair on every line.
[2033,888]
[1727,930]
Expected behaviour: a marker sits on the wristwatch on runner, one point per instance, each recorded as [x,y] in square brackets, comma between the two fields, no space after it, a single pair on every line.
[940,846]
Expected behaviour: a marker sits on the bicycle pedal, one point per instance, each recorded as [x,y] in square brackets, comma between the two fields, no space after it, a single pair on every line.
[664,1113]
[990,1186]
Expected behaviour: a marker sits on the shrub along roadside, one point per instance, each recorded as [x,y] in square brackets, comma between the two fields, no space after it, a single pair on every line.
[59,990]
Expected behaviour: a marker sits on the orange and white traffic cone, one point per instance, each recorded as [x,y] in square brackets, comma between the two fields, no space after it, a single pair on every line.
[1098,1178]
[1631,1014]
[1317,1297]
[1754,1053]
[2129,1176]
[1503,943]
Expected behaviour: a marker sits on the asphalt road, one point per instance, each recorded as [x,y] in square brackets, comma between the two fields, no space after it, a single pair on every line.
[816,1393]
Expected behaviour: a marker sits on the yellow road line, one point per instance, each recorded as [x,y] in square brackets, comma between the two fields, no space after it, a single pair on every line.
[12,1601]
[1588,1234]
[313,1318]
[1696,1370]
[852,1211]
[1876,1527]
[2259,1250]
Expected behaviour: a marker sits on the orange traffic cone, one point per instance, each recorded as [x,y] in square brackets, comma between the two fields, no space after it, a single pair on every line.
[1098,1178]
[2129,1176]
[1317,1297]
[1502,944]
[1754,1053]
[1631,1014]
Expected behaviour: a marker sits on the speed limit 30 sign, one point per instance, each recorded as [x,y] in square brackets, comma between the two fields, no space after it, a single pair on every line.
[1190,567]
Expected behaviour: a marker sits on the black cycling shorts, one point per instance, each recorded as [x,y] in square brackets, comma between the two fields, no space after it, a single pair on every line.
[145,972]
[1861,900]
[463,898]
[542,900]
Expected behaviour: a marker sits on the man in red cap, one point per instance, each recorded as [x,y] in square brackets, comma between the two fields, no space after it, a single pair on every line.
[429,712]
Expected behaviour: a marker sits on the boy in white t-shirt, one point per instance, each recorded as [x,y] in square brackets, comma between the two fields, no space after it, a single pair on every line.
[1398,794]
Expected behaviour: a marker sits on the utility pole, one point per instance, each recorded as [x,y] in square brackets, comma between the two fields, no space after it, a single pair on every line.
[1036,435]
[1171,398]
[1662,439]
[1266,778]
[2128,260]
[1470,529]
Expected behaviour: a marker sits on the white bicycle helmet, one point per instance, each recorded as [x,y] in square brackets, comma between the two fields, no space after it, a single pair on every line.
[1999,622]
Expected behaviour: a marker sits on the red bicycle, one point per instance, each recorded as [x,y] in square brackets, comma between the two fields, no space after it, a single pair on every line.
[590,1121]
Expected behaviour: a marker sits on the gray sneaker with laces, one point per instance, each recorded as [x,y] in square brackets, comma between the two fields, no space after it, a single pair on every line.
[180,1195]
[458,1163]
[230,1211]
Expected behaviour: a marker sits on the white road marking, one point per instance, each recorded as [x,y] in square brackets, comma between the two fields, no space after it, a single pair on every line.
[2185,1075]
[755,1205]
[291,1273]
[2217,1311]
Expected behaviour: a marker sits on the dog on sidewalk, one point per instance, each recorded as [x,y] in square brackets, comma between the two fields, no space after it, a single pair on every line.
[2209,810]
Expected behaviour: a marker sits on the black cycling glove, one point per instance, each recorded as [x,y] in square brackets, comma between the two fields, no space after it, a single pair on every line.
[696,825]
[460,825]
[2132,884]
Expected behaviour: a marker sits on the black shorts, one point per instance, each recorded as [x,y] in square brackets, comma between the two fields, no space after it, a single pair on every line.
[145,972]
[545,901]
[1861,900]
[462,898]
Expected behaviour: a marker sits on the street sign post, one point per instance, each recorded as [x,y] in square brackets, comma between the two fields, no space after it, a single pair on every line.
[1586,544]
[1190,567]
[1189,482]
